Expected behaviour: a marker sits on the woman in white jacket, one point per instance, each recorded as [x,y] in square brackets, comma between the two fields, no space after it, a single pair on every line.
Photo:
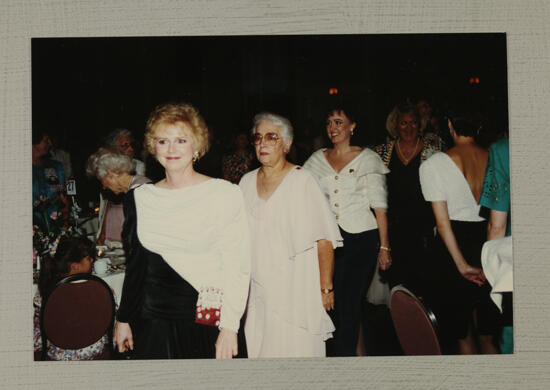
[353,179]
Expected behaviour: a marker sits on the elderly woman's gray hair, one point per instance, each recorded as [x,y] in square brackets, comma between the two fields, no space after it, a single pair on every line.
[105,160]
[278,120]
[112,138]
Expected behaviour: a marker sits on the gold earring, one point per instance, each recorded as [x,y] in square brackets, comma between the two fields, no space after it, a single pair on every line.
[195,156]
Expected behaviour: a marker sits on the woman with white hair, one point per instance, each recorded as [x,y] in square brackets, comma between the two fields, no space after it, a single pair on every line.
[115,172]
[293,239]
[122,140]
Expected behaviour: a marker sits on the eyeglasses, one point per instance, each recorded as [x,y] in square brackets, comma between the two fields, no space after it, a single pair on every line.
[269,138]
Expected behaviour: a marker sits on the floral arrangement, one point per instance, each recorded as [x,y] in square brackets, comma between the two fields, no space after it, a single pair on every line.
[47,229]
[45,212]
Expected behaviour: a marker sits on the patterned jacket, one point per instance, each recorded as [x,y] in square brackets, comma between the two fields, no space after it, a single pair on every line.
[432,144]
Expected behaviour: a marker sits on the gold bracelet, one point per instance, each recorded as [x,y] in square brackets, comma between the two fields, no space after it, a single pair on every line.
[327,290]
[385,248]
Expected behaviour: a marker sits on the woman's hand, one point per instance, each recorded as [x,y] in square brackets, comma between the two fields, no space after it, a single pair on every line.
[325,253]
[473,274]
[384,259]
[226,344]
[328,300]
[384,256]
[123,337]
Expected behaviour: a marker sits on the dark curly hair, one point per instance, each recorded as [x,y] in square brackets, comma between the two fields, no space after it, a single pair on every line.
[69,250]
[465,123]
[342,108]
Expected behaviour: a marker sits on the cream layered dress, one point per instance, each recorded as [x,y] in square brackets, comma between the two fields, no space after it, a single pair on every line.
[285,315]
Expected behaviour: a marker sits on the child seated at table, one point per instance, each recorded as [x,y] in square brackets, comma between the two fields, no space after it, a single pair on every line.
[74,255]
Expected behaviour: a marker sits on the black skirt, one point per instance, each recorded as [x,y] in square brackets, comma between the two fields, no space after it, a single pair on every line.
[457,299]
[166,328]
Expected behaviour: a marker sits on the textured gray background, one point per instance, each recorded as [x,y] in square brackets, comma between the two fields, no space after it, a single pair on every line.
[526,25]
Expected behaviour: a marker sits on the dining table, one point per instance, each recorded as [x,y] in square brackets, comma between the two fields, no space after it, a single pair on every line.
[115,279]
[113,254]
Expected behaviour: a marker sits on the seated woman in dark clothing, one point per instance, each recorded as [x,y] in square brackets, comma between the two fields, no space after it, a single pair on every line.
[410,219]
[187,245]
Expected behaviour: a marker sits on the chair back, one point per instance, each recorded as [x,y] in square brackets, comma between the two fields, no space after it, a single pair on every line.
[78,312]
[415,324]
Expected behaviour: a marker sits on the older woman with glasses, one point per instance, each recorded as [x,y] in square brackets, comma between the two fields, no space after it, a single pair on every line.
[122,140]
[293,238]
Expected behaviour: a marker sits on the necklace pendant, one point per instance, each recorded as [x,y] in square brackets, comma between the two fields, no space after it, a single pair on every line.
[410,153]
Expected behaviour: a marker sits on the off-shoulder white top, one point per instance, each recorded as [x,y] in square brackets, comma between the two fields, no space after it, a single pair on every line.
[202,232]
[359,187]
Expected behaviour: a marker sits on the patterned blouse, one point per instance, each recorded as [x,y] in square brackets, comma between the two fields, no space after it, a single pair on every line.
[235,165]
[432,144]
[496,185]
[56,353]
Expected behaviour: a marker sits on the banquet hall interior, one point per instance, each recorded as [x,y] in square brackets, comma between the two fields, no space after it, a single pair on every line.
[96,93]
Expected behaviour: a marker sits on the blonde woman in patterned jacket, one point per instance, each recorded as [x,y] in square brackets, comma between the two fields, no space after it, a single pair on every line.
[410,219]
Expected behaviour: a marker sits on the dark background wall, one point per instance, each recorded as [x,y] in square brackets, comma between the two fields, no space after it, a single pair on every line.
[82,88]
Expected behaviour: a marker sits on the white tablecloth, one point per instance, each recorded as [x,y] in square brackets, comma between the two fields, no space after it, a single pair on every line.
[497,262]
[115,280]
[90,226]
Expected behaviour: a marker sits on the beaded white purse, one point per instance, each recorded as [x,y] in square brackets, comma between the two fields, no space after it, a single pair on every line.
[209,305]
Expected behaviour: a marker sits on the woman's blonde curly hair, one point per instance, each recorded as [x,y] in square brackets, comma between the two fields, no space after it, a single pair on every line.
[172,113]
[393,118]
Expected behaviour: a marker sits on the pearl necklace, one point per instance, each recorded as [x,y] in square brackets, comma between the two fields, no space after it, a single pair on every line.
[411,153]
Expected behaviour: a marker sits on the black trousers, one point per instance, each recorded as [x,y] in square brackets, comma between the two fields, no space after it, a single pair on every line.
[354,267]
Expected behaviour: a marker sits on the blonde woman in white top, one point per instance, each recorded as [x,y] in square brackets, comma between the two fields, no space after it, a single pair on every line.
[188,249]
[353,180]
